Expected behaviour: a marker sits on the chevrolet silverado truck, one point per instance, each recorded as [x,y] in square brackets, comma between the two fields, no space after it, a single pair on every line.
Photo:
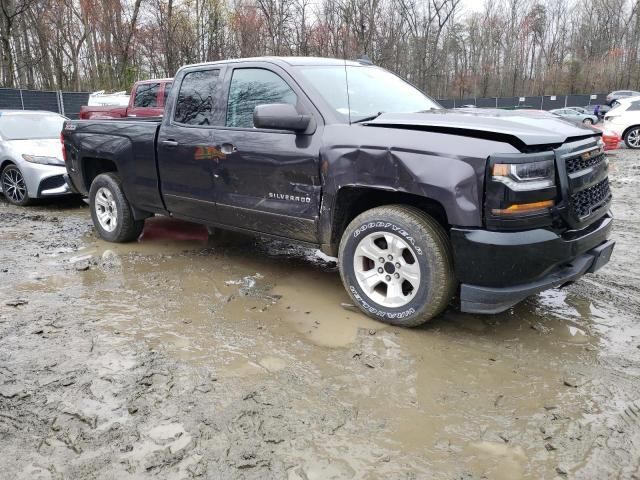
[147,99]
[420,204]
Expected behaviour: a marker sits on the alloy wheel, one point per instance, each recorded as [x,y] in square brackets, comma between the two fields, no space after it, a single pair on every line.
[633,138]
[387,269]
[106,209]
[13,184]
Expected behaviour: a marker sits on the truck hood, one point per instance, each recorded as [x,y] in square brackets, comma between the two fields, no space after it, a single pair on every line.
[40,147]
[522,128]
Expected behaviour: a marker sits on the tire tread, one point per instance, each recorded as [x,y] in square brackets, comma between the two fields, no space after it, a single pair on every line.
[130,229]
[435,235]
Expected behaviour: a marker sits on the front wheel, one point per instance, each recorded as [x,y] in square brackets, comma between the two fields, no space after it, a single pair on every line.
[632,138]
[14,186]
[397,266]
[110,210]
[588,121]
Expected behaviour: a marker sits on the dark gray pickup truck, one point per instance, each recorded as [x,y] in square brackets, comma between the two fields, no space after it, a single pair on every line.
[419,204]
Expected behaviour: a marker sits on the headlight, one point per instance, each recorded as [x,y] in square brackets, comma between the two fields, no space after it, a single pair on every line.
[42,160]
[525,176]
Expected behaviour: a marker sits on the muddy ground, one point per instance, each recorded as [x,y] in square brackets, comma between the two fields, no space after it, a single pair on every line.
[183,357]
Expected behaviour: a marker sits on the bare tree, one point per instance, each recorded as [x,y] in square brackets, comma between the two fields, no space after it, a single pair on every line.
[507,47]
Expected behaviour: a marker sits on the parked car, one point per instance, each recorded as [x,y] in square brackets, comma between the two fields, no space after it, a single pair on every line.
[624,119]
[417,205]
[575,116]
[146,100]
[31,162]
[581,110]
[601,109]
[614,97]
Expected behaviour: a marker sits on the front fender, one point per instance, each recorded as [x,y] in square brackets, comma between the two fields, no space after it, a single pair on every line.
[445,168]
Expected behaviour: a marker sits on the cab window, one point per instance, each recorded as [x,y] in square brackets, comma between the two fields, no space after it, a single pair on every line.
[251,87]
[146,95]
[194,105]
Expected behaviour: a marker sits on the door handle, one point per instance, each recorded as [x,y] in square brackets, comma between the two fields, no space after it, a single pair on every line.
[228,148]
[170,143]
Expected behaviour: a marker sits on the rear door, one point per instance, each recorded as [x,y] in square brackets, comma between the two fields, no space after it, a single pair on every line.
[146,100]
[187,156]
[267,180]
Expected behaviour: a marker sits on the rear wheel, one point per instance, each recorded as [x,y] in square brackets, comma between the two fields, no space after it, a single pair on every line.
[588,121]
[632,137]
[110,210]
[396,264]
[14,186]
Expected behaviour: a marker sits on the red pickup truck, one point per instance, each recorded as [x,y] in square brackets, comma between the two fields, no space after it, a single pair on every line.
[146,100]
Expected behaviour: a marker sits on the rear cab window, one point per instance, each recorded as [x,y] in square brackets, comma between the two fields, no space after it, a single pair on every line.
[195,102]
[251,87]
[146,95]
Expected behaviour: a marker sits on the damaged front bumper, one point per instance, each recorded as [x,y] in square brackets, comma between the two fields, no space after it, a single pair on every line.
[496,270]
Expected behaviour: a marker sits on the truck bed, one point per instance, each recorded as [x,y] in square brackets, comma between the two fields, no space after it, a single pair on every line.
[128,145]
[102,112]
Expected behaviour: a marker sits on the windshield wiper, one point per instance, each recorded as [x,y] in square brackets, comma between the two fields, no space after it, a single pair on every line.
[367,118]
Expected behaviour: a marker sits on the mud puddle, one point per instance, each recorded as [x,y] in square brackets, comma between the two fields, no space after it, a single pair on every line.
[184,357]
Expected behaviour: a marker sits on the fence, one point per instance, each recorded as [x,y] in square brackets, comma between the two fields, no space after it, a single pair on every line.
[64,103]
[546,102]
[69,103]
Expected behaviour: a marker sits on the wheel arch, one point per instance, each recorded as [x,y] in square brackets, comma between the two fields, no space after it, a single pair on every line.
[91,167]
[4,163]
[630,127]
[351,201]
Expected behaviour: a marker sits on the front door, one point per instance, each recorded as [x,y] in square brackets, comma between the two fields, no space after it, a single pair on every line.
[267,180]
[186,148]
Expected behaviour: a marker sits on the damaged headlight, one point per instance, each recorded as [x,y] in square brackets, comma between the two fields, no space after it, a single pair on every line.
[42,160]
[525,176]
[520,191]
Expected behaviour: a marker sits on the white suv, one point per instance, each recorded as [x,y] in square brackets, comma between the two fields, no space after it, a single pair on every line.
[624,119]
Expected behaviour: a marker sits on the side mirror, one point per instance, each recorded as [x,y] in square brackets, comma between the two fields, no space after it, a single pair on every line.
[280,116]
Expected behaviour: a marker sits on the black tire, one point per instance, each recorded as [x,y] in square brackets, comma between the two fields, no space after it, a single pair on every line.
[632,137]
[587,121]
[126,229]
[9,175]
[426,242]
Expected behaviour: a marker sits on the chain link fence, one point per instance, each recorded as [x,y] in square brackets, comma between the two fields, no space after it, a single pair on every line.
[69,103]
[546,102]
[64,103]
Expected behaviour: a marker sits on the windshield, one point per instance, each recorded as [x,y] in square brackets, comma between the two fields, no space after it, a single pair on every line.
[30,126]
[372,90]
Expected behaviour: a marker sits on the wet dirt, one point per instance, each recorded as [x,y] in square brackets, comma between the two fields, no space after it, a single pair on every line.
[181,356]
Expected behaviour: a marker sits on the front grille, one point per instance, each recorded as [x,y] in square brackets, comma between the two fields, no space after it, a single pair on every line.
[584,202]
[579,163]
